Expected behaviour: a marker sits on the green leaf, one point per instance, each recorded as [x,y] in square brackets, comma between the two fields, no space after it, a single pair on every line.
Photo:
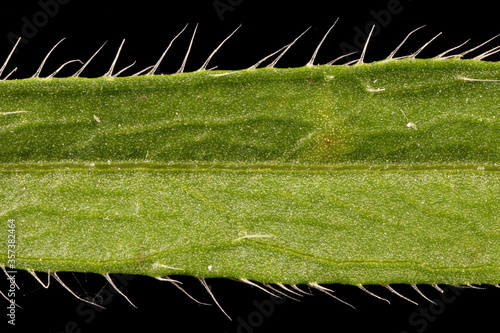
[368,174]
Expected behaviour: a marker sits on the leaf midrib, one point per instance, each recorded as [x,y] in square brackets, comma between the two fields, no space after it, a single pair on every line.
[146,166]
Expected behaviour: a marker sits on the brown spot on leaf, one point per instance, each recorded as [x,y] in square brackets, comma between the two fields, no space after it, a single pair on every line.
[329,147]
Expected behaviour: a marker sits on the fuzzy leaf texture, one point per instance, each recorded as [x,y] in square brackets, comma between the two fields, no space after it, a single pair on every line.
[375,173]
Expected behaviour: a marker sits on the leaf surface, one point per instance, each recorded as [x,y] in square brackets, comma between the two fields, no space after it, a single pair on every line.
[368,174]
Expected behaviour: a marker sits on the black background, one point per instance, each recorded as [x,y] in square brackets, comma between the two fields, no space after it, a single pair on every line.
[148,27]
